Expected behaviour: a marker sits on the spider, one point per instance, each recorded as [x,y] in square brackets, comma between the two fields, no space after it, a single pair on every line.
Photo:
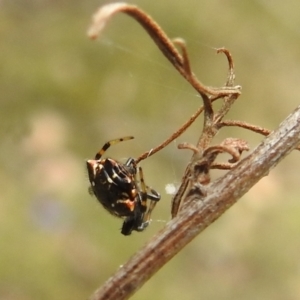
[117,188]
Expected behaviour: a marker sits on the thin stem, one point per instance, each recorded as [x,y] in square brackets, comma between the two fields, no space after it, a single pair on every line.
[245,125]
[231,74]
[175,135]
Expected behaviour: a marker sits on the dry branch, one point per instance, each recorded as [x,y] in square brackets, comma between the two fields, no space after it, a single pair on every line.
[199,212]
[201,201]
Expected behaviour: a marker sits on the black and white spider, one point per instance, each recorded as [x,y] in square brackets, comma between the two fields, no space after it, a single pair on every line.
[118,189]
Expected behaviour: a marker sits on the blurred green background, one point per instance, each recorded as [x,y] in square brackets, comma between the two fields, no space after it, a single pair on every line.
[63,96]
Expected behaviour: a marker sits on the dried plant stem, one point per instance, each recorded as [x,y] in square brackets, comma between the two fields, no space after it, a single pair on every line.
[165,44]
[176,134]
[199,212]
[245,125]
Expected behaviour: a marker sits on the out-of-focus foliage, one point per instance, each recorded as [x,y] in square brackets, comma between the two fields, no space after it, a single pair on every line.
[63,96]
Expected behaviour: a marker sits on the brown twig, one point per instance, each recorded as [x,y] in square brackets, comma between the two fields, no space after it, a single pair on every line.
[175,135]
[165,44]
[199,212]
[251,127]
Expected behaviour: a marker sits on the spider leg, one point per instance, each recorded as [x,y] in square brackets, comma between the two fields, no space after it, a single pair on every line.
[154,197]
[152,194]
[145,195]
[142,213]
[110,143]
[129,225]
[130,162]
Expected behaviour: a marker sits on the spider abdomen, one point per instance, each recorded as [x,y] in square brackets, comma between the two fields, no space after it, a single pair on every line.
[113,186]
